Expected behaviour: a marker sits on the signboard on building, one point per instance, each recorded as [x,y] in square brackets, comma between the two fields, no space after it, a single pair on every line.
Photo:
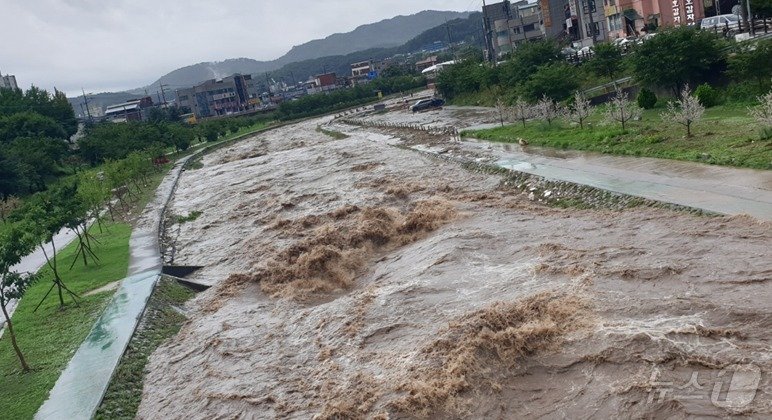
[545,13]
[681,12]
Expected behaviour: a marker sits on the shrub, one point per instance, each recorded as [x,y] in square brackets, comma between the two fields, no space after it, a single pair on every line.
[707,95]
[646,99]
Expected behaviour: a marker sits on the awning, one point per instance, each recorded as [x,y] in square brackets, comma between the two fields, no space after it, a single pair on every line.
[632,14]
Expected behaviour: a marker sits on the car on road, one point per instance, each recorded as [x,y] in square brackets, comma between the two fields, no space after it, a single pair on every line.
[425,104]
[726,24]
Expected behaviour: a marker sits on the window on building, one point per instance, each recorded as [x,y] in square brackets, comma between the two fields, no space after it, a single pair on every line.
[589,6]
[595,26]
[615,22]
[529,28]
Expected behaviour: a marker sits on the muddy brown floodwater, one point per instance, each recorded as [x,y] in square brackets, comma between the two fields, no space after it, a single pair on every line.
[353,279]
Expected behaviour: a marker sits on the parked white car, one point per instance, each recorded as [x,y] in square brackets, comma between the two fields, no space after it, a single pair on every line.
[726,24]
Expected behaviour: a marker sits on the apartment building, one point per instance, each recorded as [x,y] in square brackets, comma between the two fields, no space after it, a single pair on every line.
[229,95]
[525,24]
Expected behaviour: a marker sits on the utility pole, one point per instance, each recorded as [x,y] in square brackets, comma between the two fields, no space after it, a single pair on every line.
[85,99]
[163,94]
[751,29]
[488,42]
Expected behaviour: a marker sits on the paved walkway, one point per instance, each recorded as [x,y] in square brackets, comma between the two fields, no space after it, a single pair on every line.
[80,388]
[717,189]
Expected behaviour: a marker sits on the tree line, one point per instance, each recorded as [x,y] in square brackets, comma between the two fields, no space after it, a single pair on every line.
[668,61]
[322,103]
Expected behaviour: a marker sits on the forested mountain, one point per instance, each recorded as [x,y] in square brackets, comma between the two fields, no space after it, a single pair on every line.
[384,34]
[466,28]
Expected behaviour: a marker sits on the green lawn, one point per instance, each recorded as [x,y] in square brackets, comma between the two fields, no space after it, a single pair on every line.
[50,336]
[725,136]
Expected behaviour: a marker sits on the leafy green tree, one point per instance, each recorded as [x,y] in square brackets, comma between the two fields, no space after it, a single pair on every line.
[752,62]
[552,80]
[14,245]
[181,137]
[526,59]
[14,179]
[646,99]
[41,155]
[29,124]
[707,95]
[607,60]
[44,215]
[762,8]
[677,57]
[56,106]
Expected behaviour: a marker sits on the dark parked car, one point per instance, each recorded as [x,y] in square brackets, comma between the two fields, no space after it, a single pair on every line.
[425,104]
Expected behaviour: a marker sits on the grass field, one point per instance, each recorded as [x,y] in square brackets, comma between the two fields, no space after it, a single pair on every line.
[49,337]
[725,136]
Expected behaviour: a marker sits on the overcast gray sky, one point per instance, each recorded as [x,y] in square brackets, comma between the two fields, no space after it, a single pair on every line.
[110,45]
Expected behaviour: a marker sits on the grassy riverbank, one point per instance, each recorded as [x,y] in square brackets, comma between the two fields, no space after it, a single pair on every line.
[49,336]
[727,135]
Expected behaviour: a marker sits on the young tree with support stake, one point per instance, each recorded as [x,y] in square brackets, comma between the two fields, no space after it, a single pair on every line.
[546,109]
[521,110]
[44,218]
[622,110]
[14,245]
[501,108]
[685,111]
[581,110]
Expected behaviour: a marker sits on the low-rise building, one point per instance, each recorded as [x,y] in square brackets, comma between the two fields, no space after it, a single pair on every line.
[232,94]
[132,110]
[426,63]
[362,68]
[8,81]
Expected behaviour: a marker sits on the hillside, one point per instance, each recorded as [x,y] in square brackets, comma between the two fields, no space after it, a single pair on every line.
[463,27]
[465,30]
[386,33]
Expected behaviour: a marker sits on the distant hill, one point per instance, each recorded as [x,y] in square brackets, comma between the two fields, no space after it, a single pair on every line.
[410,38]
[466,30]
[384,34]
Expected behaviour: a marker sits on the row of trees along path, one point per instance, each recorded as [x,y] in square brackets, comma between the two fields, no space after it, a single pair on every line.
[72,204]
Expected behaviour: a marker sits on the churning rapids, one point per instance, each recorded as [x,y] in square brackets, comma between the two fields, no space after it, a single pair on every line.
[355,279]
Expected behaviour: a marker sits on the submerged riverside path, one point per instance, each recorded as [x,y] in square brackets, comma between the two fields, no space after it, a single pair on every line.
[715,189]
[79,390]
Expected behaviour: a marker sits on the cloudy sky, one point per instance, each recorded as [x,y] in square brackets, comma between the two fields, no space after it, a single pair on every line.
[110,45]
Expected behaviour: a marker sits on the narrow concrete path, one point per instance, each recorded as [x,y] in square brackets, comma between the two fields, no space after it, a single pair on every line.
[713,188]
[717,189]
[80,388]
